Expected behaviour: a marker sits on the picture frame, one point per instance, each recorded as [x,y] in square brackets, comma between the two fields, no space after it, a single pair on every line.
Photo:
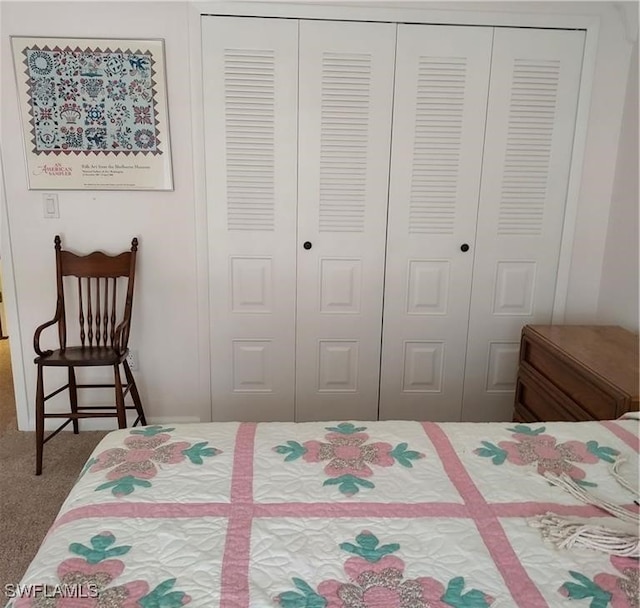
[94,113]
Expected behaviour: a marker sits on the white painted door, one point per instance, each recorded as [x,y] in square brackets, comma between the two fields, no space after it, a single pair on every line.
[250,92]
[346,95]
[535,79]
[442,80]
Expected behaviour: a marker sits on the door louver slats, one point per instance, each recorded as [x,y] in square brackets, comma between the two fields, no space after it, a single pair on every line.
[249,97]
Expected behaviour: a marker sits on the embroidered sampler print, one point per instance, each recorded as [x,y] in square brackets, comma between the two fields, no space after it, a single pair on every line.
[91,101]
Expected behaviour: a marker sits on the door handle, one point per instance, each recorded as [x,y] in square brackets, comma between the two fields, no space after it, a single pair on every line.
[464,247]
[307,245]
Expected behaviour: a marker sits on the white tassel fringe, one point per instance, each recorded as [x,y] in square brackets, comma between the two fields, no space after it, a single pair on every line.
[566,534]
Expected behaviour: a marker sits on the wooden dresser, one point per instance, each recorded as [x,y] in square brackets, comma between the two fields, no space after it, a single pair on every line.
[576,372]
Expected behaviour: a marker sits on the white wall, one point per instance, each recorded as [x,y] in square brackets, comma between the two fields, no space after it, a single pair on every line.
[3,316]
[165,312]
[171,286]
[618,30]
[618,302]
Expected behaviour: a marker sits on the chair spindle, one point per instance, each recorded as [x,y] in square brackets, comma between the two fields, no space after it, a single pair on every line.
[106,312]
[113,312]
[80,306]
[89,312]
[98,312]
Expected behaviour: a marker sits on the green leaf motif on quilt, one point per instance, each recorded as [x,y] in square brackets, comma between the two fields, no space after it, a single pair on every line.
[586,588]
[348,484]
[498,455]
[86,467]
[124,485]
[404,456]
[150,431]
[163,597]
[293,450]
[523,429]
[584,483]
[346,428]
[368,548]
[196,452]
[472,599]
[100,549]
[602,452]
[307,598]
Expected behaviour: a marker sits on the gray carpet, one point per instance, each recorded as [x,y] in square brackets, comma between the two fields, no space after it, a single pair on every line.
[29,504]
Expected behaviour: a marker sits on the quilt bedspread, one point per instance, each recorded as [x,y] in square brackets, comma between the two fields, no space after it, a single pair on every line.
[335,515]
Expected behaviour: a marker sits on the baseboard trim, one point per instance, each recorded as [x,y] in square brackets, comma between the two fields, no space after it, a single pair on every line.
[110,424]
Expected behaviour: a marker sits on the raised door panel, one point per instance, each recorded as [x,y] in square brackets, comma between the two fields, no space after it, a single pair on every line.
[442,78]
[346,94]
[250,72]
[535,80]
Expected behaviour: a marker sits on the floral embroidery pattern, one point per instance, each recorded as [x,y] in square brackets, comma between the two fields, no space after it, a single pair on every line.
[85,86]
[608,589]
[532,446]
[133,465]
[377,579]
[91,576]
[349,456]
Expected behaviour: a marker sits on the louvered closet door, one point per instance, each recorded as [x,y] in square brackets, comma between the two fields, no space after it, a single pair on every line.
[346,91]
[535,79]
[442,78]
[250,70]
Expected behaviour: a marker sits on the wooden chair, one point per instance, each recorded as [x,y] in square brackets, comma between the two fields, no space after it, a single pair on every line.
[104,316]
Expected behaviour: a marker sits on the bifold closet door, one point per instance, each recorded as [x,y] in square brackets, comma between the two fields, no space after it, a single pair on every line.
[345,101]
[442,81]
[250,92]
[535,80]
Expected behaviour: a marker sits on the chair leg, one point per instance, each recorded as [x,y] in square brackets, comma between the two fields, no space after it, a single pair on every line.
[134,393]
[39,420]
[73,397]
[122,418]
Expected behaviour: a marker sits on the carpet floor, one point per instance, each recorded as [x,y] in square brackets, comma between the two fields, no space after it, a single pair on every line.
[29,504]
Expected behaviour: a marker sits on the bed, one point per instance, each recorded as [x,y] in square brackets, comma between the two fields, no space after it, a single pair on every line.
[336,515]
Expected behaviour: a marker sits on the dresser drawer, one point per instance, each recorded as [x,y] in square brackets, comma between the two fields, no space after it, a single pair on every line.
[597,402]
[537,401]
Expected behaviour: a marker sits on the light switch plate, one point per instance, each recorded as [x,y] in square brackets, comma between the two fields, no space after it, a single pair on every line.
[50,205]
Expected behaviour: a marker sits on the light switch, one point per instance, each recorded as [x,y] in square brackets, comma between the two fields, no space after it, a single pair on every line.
[50,204]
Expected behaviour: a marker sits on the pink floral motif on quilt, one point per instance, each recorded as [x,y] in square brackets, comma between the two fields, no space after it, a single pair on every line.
[608,590]
[133,465]
[87,582]
[376,579]
[349,456]
[532,446]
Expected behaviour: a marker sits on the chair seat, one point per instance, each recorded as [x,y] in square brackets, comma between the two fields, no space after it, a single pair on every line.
[77,356]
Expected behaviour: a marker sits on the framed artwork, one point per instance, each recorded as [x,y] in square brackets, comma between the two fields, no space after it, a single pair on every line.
[94,113]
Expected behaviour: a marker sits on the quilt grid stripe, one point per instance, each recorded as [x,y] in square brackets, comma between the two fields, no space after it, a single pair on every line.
[237,551]
[633,441]
[525,592]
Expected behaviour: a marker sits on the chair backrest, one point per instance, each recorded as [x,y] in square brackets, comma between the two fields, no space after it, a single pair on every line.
[104,289]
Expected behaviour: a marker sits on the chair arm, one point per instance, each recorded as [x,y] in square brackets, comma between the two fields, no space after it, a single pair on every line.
[40,328]
[121,330]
